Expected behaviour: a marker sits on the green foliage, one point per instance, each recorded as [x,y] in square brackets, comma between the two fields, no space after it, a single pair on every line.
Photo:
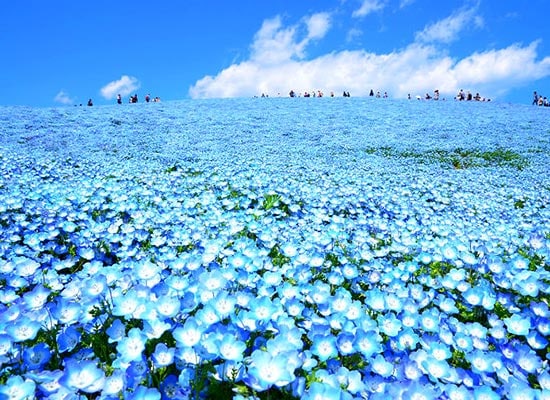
[277,258]
[458,360]
[458,158]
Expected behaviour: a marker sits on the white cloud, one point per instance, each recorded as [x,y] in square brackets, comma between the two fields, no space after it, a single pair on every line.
[368,7]
[63,98]
[448,29]
[124,86]
[278,64]
[318,25]
[405,3]
[273,43]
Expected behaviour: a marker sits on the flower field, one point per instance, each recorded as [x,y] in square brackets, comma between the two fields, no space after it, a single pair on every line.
[324,248]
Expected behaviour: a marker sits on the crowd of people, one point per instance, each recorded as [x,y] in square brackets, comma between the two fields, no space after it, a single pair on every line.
[134,99]
[540,100]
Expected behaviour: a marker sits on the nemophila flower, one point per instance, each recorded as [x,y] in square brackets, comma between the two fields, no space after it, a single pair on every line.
[36,357]
[540,309]
[116,331]
[5,344]
[375,299]
[294,307]
[527,360]
[124,305]
[345,343]
[368,342]
[162,356]
[323,391]
[485,393]
[154,328]
[263,308]
[457,392]
[143,393]
[265,370]
[224,304]
[68,339]
[379,365]
[147,271]
[86,253]
[23,329]
[482,361]
[95,286]
[83,375]
[518,324]
[324,346]
[429,320]
[67,311]
[527,283]
[114,384]
[37,297]
[189,334]
[389,324]
[167,306]
[16,388]
[231,348]
[25,267]
[518,262]
[436,369]
[418,391]
[130,348]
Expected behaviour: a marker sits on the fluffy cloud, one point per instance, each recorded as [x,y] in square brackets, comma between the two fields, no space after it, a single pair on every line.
[448,29]
[63,98]
[278,64]
[368,7]
[124,86]
[274,43]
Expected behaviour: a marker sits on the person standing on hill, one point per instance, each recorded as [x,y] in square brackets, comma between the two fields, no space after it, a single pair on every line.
[535,98]
[119,99]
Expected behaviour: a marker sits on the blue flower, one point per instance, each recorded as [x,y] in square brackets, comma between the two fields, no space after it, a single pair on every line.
[143,393]
[5,344]
[23,329]
[116,331]
[37,356]
[389,324]
[265,370]
[168,306]
[83,375]
[518,324]
[189,334]
[37,297]
[368,342]
[16,388]
[379,365]
[162,356]
[114,383]
[324,346]
[231,348]
[485,393]
[322,391]
[68,339]
[130,348]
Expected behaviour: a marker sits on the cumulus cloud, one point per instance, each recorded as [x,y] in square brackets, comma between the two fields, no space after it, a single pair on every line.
[278,64]
[368,7]
[448,29]
[63,98]
[274,43]
[123,86]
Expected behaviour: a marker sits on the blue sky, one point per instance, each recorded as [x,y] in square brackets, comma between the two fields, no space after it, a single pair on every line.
[63,52]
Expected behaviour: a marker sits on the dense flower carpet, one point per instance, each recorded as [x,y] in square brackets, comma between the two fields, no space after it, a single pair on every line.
[334,248]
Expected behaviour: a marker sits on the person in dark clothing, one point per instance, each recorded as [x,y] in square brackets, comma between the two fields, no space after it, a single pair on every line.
[90,103]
